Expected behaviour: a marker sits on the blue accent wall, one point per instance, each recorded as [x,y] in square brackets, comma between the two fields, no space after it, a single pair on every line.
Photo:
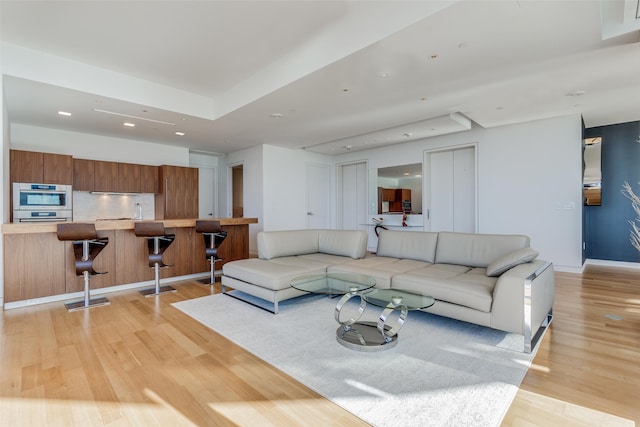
[607,226]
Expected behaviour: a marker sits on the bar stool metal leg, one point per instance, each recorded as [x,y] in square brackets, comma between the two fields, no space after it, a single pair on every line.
[87,302]
[157,246]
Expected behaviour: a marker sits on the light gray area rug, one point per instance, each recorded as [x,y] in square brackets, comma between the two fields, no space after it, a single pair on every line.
[441,373]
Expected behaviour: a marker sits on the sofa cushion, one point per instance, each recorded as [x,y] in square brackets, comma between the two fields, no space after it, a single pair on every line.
[382,269]
[472,288]
[350,243]
[273,274]
[420,246]
[274,244]
[476,250]
[513,258]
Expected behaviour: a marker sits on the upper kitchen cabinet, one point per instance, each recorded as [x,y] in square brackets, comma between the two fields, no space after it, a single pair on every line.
[149,179]
[95,175]
[178,195]
[105,176]
[83,172]
[57,169]
[45,168]
[129,178]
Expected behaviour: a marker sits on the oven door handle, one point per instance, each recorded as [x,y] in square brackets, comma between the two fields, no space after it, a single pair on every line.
[43,219]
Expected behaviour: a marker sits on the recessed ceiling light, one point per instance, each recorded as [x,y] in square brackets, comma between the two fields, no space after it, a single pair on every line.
[383,75]
[129,124]
[180,133]
[64,113]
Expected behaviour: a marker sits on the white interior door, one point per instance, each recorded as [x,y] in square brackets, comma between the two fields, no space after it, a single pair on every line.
[317,189]
[352,213]
[207,193]
[450,190]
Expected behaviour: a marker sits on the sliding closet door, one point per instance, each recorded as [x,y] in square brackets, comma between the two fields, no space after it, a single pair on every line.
[352,195]
[450,190]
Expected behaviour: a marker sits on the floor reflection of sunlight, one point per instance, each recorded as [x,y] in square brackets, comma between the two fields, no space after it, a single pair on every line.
[246,413]
[52,412]
[540,368]
[367,388]
[557,412]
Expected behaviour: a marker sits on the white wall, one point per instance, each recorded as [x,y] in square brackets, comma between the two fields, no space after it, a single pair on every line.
[529,181]
[285,187]
[95,147]
[274,187]
[251,161]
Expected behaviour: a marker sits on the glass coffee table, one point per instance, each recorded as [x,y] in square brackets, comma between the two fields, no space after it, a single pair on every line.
[364,335]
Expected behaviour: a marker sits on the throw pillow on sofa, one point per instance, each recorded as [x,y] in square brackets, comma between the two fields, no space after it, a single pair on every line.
[505,262]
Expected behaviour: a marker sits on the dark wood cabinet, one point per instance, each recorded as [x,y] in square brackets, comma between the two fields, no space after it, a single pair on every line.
[105,176]
[83,173]
[57,169]
[129,178]
[178,193]
[95,175]
[46,168]
[149,179]
[26,166]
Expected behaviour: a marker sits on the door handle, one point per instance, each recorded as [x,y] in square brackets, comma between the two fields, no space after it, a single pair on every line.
[310,213]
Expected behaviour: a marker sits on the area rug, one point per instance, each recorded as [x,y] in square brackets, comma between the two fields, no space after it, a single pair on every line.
[442,372]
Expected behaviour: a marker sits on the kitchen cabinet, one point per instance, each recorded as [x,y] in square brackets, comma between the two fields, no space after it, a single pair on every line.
[57,169]
[34,266]
[388,194]
[401,194]
[149,179]
[95,175]
[129,178]
[105,176]
[178,193]
[83,173]
[45,168]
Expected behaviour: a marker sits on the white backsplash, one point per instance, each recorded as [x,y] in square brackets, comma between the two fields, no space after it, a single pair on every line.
[89,207]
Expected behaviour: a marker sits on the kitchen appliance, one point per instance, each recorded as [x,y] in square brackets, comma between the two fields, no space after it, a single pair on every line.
[42,202]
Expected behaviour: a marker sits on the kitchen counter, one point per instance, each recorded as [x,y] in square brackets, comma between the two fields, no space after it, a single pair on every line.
[117,224]
[38,266]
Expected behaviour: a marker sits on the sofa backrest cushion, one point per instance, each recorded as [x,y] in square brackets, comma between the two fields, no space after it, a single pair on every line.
[420,246]
[351,243]
[274,244]
[476,250]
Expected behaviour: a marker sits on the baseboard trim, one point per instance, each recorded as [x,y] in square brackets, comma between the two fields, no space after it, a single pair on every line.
[99,291]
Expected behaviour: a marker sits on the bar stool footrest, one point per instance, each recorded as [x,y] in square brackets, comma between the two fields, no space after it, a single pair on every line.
[162,290]
[80,305]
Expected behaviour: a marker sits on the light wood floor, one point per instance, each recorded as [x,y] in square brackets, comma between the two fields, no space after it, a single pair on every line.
[141,362]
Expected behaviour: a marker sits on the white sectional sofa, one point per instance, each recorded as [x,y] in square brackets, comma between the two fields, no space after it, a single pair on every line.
[487,279]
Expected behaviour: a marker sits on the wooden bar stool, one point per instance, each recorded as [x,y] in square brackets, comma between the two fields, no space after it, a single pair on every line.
[157,242]
[213,238]
[86,247]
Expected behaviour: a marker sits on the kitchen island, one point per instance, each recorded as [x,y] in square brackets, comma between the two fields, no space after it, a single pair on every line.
[40,268]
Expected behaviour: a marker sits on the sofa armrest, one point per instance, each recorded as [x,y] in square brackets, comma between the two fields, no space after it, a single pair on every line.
[523,300]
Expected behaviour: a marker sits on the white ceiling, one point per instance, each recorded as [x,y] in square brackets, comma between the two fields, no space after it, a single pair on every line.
[343,75]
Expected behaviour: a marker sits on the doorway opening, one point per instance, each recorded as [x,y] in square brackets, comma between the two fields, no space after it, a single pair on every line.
[237,196]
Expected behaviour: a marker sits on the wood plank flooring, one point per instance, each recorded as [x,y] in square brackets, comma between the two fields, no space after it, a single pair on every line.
[141,362]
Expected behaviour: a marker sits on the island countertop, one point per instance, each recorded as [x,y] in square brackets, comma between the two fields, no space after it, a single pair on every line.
[51,227]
